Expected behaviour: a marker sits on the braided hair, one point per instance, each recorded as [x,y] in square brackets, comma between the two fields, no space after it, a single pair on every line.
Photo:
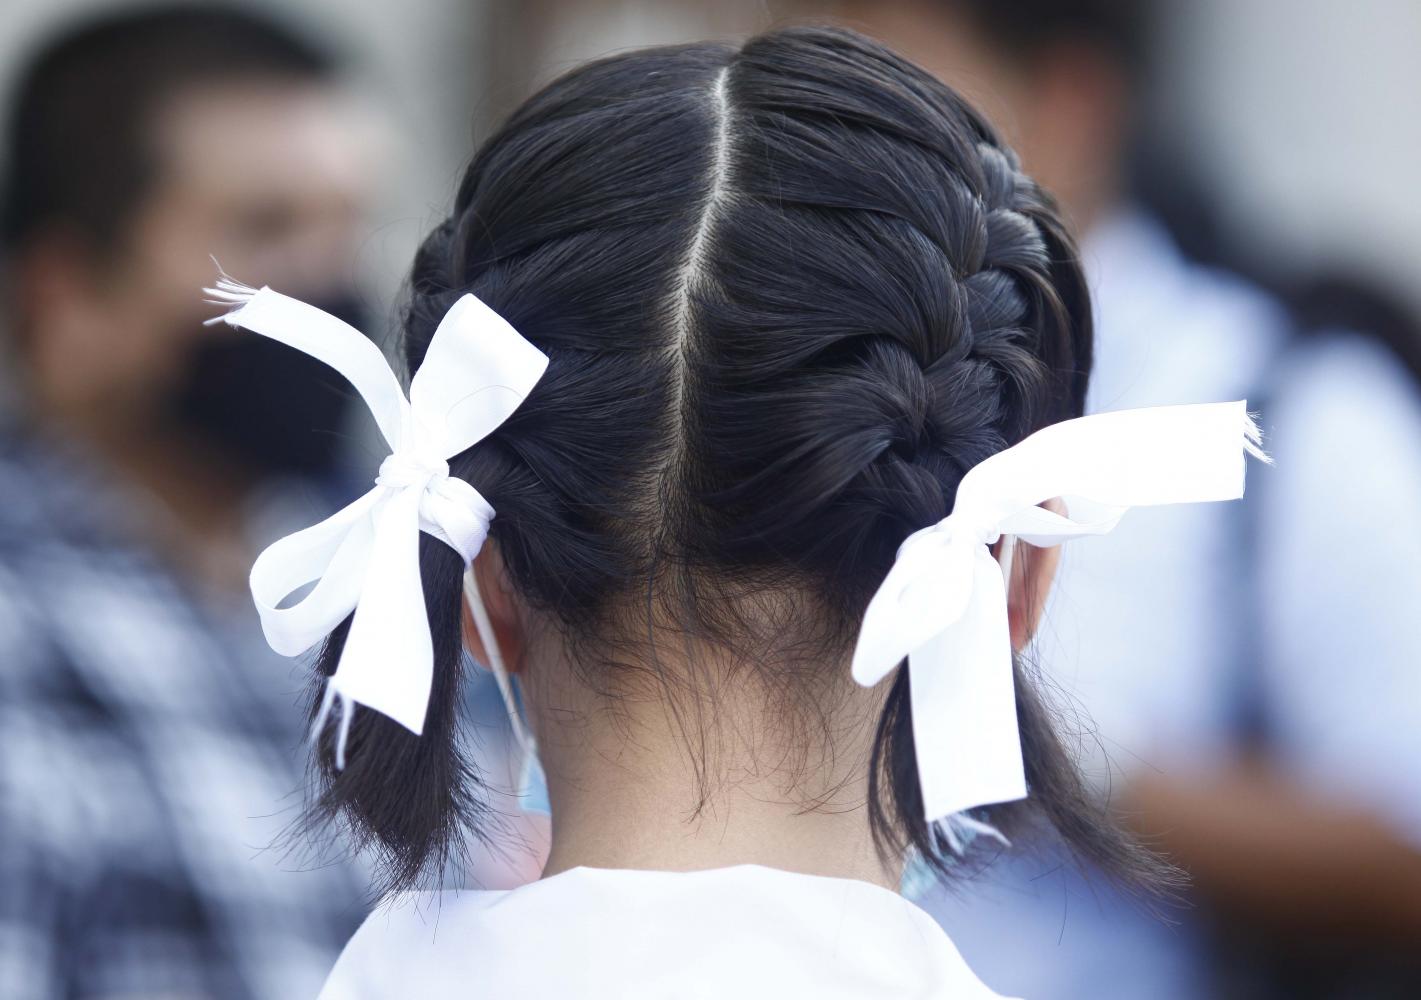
[791,292]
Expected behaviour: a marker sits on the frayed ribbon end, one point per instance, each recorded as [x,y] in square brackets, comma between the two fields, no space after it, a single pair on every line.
[1253,438]
[229,293]
[961,829]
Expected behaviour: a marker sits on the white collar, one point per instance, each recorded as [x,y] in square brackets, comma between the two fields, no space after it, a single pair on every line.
[597,934]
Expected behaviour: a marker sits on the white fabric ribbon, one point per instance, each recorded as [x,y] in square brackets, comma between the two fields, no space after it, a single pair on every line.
[943,604]
[365,557]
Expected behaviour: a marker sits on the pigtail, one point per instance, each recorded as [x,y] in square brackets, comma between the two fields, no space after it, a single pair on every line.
[411,802]
[414,802]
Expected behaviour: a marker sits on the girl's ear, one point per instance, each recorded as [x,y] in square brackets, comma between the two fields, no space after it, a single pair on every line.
[1033,570]
[497,596]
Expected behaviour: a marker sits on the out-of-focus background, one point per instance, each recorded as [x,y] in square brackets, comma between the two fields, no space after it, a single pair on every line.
[1244,177]
[1298,117]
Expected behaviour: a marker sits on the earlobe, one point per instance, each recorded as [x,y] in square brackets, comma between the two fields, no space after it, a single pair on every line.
[1033,571]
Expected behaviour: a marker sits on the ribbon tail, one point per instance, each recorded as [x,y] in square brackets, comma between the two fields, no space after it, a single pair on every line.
[347,715]
[387,663]
[964,705]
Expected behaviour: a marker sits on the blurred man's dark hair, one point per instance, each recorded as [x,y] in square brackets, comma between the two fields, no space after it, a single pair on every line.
[1025,27]
[77,145]
[1119,38]
[116,123]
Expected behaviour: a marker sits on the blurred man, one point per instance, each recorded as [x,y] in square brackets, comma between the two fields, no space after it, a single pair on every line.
[1255,710]
[148,739]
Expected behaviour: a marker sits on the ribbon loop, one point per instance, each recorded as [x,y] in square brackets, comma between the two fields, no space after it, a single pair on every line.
[364,559]
[943,604]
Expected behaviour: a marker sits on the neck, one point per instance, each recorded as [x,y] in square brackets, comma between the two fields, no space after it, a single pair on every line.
[629,790]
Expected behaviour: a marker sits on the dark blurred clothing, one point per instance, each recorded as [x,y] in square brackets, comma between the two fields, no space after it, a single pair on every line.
[149,760]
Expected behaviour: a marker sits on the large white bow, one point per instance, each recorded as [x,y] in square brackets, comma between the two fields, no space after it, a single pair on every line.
[365,558]
[943,604]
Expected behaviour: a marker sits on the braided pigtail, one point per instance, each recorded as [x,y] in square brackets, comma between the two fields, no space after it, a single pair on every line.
[412,802]
[942,329]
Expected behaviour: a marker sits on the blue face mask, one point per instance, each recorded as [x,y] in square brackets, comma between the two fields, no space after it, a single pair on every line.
[533,788]
[488,711]
[532,782]
[918,877]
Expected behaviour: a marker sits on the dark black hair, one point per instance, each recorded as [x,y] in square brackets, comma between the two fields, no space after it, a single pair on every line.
[78,149]
[791,291]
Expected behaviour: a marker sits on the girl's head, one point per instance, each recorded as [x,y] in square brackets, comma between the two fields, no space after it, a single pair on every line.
[790,292]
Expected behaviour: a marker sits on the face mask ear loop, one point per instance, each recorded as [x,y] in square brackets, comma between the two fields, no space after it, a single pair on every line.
[1008,554]
[524,738]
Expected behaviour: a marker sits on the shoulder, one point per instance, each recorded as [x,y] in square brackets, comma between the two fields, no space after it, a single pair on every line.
[745,931]
[1344,429]
[1134,258]
[433,944]
[1346,414]
[1348,377]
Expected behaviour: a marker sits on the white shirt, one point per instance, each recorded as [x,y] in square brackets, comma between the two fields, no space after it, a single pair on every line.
[740,933]
[1341,575]
[1142,629]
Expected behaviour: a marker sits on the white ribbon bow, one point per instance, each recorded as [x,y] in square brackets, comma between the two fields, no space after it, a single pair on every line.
[943,604]
[365,557]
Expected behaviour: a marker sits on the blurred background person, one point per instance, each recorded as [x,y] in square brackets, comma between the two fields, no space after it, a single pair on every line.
[148,757]
[1268,740]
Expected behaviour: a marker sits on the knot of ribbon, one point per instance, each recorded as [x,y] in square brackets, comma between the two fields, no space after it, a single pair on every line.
[449,508]
[365,557]
[400,471]
[943,604]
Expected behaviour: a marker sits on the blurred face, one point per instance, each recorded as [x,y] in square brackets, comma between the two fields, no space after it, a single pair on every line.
[1064,110]
[271,178]
[943,41]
